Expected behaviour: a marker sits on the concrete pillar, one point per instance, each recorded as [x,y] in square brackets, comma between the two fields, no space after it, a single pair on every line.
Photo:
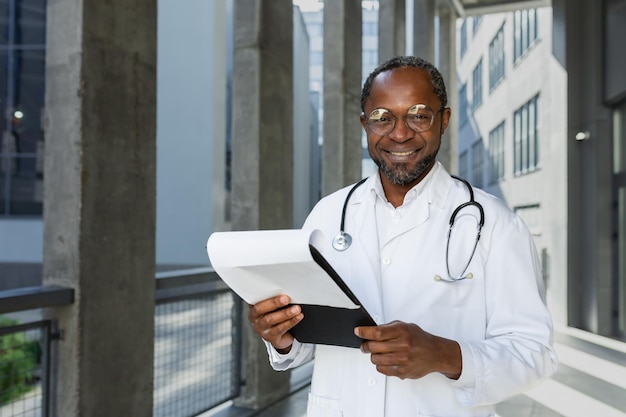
[342,154]
[262,154]
[424,29]
[447,66]
[99,211]
[578,33]
[391,29]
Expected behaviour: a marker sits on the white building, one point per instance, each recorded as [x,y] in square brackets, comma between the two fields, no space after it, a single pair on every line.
[512,123]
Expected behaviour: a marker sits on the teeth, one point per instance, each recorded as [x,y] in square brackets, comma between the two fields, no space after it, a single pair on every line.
[401,153]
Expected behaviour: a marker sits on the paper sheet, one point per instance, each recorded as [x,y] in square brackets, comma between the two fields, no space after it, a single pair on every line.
[264,263]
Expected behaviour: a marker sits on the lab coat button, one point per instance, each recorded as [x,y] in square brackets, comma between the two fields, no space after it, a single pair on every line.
[371,381]
[386,260]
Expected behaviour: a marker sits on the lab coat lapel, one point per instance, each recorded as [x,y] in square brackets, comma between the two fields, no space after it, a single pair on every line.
[365,245]
[365,224]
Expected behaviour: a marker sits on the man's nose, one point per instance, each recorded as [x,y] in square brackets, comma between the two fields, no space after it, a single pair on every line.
[401,131]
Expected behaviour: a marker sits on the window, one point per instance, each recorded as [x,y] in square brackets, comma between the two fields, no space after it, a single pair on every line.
[463,165]
[477,85]
[463,38]
[316,58]
[463,105]
[475,23]
[315,30]
[477,163]
[525,138]
[22,78]
[525,31]
[369,58]
[496,59]
[370,29]
[496,154]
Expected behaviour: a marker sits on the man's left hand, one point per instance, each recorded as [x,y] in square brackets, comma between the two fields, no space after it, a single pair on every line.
[406,351]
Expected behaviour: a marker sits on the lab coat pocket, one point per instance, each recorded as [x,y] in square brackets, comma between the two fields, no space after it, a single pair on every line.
[323,407]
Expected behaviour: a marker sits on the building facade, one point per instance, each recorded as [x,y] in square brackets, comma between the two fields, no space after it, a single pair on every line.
[512,124]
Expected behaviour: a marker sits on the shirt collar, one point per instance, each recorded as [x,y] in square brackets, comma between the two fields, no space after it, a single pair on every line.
[435,194]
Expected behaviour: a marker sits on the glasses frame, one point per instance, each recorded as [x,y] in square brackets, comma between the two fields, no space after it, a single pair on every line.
[406,123]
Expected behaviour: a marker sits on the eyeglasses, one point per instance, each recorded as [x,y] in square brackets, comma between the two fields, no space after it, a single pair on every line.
[418,118]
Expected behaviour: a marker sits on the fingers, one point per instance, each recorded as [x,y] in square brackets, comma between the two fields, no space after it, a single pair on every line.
[273,318]
[383,332]
[266,306]
[397,349]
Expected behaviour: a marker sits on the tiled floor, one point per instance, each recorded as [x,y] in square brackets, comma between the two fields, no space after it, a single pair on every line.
[590,382]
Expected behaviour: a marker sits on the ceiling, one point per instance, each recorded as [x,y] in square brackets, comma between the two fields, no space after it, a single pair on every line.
[476,7]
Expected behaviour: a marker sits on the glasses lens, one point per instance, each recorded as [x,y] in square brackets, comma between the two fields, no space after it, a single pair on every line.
[419,117]
[381,121]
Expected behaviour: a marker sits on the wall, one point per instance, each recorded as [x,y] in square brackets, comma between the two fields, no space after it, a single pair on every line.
[302,201]
[191,128]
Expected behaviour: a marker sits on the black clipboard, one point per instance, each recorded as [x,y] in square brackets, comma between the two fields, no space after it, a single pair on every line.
[331,325]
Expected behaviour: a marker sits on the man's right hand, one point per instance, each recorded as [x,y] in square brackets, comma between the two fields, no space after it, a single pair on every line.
[273,318]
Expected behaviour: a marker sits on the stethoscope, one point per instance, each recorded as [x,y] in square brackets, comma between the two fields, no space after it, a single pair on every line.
[343,240]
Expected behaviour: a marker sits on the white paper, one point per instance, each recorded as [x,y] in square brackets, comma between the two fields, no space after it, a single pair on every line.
[261,264]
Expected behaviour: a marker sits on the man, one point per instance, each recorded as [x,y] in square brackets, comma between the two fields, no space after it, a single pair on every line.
[462,323]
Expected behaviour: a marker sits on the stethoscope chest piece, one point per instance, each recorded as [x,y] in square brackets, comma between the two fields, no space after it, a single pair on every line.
[342,241]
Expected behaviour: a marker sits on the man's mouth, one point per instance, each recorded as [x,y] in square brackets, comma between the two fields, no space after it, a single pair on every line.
[405,153]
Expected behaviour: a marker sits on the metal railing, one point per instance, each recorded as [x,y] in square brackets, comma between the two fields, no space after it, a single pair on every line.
[197,354]
[25,351]
[197,357]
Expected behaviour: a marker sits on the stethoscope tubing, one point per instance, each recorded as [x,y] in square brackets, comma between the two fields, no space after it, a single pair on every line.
[343,240]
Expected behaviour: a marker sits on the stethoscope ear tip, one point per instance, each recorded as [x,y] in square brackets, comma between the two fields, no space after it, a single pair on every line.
[437,277]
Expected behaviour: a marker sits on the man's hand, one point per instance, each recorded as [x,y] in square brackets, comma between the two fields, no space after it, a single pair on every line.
[273,318]
[406,351]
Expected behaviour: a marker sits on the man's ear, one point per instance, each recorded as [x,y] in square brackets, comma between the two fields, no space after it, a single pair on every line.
[445,119]
[363,123]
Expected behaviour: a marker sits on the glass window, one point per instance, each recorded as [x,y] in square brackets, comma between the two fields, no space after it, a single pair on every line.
[22,86]
[463,105]
[496,59]
[496,154]
[370,29]
[525,31]
[477,85]
[475,23]
[315,30]
[463,38]
[526,138]
[463,165]
[477,163]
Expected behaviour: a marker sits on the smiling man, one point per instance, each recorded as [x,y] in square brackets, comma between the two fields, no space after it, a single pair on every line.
[462,319]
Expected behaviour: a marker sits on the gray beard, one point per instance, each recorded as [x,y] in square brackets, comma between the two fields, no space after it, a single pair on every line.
[403,174]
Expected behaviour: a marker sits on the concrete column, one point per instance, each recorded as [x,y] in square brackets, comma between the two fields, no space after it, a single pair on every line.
[391,29]
[424,29]
[99,211]
[578,27]
[447,66]
[262,153]
[342,154]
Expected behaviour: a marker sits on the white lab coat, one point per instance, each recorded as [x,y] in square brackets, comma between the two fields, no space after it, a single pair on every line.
[499,317]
